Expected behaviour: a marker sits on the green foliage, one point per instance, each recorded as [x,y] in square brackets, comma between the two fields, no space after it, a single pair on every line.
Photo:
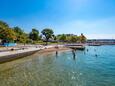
[73,39]
[62,37]
[48,33]
[18,30]
[34,35]
[6,33]
[17,34]
[82,38]
[70,38]
[22,37]
[3,24]
[55,38]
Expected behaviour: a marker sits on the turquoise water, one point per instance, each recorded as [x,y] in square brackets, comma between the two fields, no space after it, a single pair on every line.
[92,67]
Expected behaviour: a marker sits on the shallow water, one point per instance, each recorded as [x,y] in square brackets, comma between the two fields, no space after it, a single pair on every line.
[95,67]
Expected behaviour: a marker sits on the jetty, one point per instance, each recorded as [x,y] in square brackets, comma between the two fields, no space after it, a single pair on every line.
[94,44]
[15,54]
[76,46]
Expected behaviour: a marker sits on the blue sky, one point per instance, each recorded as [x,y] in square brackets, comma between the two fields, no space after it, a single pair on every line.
[94,18]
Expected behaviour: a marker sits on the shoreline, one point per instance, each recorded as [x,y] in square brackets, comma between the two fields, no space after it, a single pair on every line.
[18,54]
[53,49]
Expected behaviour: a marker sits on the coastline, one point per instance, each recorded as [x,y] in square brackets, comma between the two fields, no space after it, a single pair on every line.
[53,49]
[13,55]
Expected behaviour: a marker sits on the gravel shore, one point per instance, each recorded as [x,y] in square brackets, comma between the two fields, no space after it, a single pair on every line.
[16,54]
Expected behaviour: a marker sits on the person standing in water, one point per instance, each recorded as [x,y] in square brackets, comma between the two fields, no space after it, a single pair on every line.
[73,52]
[96,55]
[56,53]
[87,50]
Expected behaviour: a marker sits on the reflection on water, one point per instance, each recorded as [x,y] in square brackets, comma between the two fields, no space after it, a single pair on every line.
[47,70]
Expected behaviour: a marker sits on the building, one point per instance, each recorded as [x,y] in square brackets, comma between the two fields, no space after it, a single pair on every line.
[102,41]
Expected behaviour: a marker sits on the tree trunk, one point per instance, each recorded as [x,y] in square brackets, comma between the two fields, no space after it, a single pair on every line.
[47,41]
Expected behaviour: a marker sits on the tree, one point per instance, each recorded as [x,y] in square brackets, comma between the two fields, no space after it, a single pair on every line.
[22,37]
[48,33]
[6,33]
[62,37]
[82,38]
[34,35]
[73,39]
[18,30]
[55,38]
[3,24]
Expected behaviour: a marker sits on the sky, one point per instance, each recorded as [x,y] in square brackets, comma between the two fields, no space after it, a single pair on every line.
[94,18]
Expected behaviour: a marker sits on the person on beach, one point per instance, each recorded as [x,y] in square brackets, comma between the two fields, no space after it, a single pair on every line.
[56,47]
